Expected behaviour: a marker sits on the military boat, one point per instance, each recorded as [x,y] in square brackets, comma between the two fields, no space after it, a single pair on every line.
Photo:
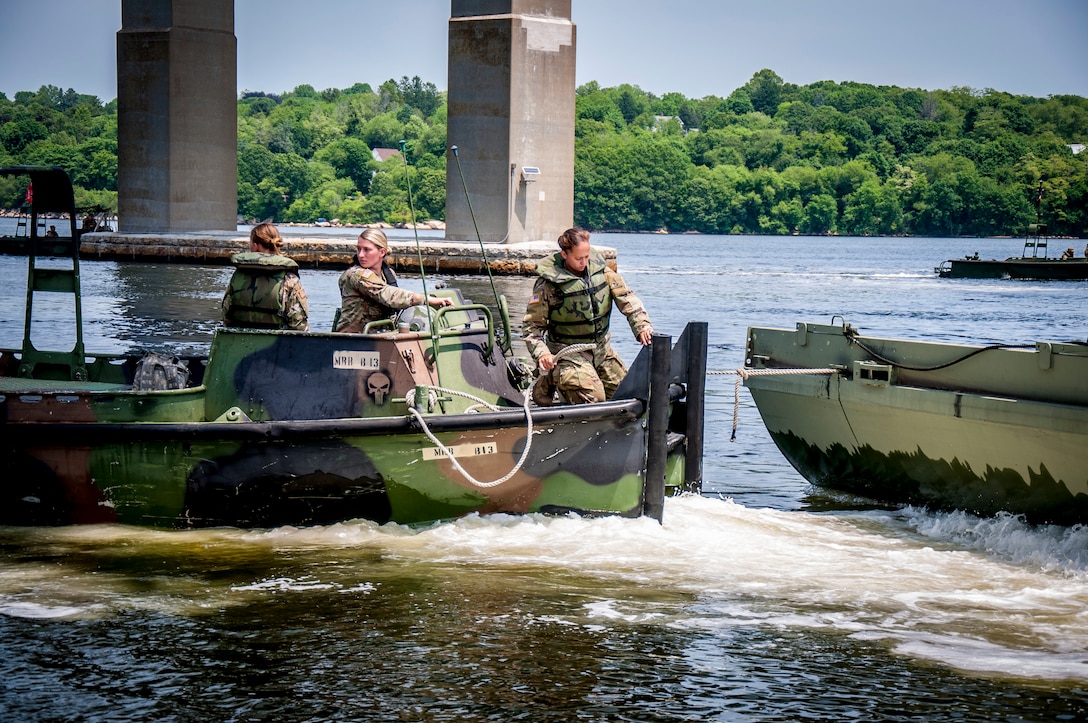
[983,429]
[1034,262]
[412,421]
[1040,268]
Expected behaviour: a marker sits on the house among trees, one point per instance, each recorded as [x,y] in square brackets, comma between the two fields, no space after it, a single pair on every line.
[660,120]
[384,154]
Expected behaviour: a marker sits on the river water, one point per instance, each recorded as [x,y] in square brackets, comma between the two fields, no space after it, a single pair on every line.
[764,599]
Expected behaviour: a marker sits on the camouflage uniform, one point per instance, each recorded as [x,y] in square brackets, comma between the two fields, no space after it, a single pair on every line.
[265,292]
[366,297]
[565,309]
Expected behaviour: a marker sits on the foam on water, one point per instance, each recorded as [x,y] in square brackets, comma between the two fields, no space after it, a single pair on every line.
[995,597]
[35,611]
[1012,602]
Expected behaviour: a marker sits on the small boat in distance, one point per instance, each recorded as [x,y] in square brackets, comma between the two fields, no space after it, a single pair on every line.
[1033,262]
[1069,267]
[983,429]
[412,421]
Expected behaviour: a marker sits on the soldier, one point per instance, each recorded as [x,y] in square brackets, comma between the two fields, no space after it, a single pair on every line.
[571,304]
[368,288]
[265,291]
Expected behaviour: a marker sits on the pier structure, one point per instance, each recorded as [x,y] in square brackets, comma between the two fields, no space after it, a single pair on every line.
[177,116]
[511,92]
[436,255]
[510,95]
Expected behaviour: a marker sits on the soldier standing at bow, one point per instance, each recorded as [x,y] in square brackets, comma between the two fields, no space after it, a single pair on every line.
[571,303]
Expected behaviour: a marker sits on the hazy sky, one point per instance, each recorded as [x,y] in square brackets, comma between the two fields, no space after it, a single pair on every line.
[1030,47]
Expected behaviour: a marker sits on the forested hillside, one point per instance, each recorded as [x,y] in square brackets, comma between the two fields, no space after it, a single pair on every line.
[770,158]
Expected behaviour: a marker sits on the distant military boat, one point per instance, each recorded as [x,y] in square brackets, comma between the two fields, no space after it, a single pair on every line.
[408,422]
[983,429]
[1034,261]
[1029,265]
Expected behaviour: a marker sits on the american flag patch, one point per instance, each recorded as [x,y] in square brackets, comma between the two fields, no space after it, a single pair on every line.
[535,298]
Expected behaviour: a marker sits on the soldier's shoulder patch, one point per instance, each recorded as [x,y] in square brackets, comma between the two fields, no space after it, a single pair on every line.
[534,299]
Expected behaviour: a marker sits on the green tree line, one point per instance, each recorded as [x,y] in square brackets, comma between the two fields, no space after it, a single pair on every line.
[770,158]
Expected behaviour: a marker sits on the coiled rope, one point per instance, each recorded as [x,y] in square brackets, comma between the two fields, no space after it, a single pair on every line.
[431,393]
[743,373]
[573,349]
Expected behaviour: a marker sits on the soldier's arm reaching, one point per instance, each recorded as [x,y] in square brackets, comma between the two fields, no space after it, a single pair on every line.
[630,306]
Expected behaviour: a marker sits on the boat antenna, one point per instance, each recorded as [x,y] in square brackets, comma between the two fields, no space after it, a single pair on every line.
[504,343]
[419,256]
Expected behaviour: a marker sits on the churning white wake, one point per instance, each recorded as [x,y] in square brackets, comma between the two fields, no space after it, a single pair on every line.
[991,596]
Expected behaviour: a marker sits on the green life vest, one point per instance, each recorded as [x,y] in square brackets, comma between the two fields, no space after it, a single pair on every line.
[256,290]
[585,302]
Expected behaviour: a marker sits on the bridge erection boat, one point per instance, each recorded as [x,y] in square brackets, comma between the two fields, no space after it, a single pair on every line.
[1040,268]
[977,428]
[1034,262]
[412,422]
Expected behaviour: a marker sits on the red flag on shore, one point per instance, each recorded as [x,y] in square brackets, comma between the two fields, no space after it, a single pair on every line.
[30,193]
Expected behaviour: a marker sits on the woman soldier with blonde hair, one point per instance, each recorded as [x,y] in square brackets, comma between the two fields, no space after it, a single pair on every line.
[368,288]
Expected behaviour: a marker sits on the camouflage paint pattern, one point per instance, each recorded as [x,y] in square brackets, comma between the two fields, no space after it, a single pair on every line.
[309,428]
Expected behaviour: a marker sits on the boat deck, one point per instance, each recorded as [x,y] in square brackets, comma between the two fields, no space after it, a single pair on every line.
[19,385]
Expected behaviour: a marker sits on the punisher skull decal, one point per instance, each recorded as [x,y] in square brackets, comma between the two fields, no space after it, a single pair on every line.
[377,386]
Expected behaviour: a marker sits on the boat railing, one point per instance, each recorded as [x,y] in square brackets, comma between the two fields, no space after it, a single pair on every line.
[49,191]
[451,330]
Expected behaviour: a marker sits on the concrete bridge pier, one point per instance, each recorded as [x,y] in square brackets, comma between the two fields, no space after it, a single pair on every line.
[511,115]
[177,128]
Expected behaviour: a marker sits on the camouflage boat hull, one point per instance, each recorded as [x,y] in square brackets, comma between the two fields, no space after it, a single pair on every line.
[274,473]
[309,428]
[947,425]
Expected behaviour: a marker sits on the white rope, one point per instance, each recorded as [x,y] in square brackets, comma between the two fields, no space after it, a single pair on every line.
[743,373]
[432,398]
[410,401]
